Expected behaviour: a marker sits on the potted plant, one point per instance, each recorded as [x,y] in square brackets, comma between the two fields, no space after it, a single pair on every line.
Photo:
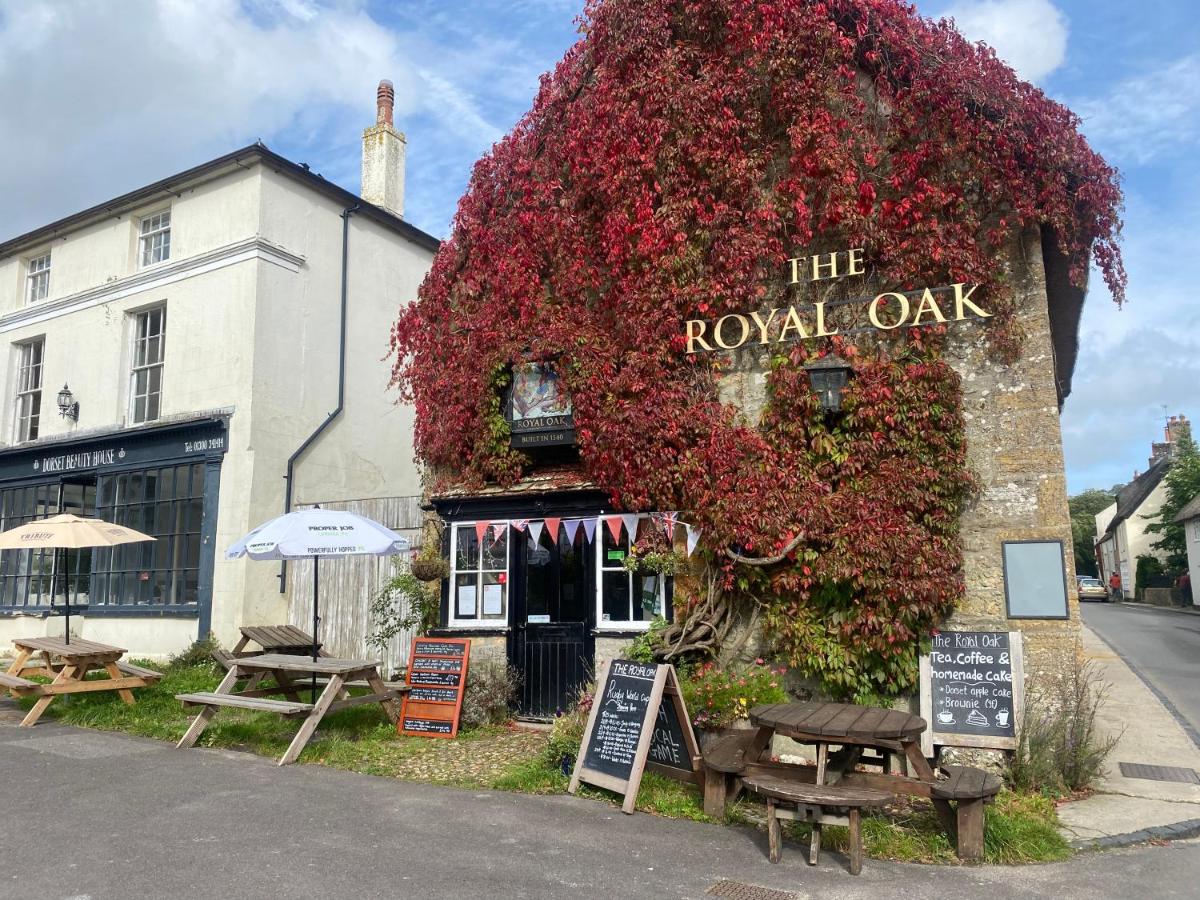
[720,698]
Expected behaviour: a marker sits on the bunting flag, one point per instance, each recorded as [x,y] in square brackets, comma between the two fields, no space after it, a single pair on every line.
[519,524]
[614,527]
[589,529]
[499,529]
[480,528]
[669,520]
[552,528]
[631,525]
[571,526]
[693,538]
[535,532]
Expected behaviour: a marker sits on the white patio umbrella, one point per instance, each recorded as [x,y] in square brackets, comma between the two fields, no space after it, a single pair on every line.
[316,533]
[68,532]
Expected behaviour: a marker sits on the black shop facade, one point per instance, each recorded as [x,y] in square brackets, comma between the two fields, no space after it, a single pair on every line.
[162,480]
[538,572]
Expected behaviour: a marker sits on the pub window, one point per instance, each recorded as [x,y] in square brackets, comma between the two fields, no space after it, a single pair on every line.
[155,239]
[149,349]
[27,402]
[479,592]
[628,599]
[37,279]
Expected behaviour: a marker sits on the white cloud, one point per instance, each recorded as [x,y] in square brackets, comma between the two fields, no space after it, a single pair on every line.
[1147,116]
[1029,35]
[94,103]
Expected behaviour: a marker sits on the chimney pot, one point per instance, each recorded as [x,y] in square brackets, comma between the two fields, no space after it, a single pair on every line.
[385,103]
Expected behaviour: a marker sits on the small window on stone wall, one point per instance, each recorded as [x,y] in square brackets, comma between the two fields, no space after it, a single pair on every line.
[1035,580]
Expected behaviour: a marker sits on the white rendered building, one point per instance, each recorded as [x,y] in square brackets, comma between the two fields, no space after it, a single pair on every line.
[224,335]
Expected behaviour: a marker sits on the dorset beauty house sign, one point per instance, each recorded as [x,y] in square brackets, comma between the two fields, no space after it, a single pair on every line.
[885,312]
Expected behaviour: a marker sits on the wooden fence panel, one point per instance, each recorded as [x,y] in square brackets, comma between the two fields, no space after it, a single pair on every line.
[349,583]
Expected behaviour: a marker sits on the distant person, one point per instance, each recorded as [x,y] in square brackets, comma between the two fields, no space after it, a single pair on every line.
[1184,583]
[1114,587]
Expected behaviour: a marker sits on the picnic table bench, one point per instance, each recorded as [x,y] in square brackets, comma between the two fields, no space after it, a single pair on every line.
[339,673]
[871,743]
[68,665]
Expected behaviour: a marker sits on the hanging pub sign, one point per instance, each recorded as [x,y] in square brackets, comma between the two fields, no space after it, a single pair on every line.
[972,690]
[638,721]
[437,677]
[847,315]
[539,411]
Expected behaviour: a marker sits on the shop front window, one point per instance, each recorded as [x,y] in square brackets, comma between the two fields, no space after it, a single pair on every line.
[626,599]
[479,580]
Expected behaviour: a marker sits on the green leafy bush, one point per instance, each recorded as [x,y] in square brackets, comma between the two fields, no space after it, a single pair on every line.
[719,696]
[642,648]
[1059,749]
[491,691]
[566,734]
[403,604]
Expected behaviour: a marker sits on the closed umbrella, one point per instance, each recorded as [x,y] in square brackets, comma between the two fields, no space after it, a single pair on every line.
[318,532]
[68,532]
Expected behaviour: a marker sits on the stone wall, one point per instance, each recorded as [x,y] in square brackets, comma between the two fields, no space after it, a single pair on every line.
[1014,448]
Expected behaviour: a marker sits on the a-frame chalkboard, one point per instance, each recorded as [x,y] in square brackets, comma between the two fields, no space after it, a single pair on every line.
[638,721]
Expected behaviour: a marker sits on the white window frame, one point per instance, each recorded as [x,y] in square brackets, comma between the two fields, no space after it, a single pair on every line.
[37,278]
[602,566]
[154,238]
[23,390]
[136,367]
[478,621]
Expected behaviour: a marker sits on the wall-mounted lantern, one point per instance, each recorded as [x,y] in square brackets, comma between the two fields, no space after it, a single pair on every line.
[829,376]
[68,406]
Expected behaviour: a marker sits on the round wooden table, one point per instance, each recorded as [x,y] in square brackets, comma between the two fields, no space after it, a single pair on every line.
[815,722]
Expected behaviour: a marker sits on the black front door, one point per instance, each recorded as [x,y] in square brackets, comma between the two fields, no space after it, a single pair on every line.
[552,645]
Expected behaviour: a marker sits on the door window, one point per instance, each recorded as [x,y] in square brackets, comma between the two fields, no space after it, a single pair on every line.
[626,599]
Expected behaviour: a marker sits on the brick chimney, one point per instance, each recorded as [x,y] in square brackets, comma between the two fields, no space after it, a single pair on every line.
[1177,426]
[383,155]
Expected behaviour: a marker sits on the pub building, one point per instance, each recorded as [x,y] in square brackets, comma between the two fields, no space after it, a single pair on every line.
[536,572]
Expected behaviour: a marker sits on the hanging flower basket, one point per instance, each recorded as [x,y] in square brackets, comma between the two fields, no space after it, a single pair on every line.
[430,569]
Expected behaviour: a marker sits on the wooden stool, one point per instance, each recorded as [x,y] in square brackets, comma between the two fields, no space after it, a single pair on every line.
[969,789]
[810,803]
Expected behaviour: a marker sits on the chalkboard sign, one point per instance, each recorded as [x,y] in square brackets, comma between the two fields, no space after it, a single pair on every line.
[437,677]
[972,689]
[638,720]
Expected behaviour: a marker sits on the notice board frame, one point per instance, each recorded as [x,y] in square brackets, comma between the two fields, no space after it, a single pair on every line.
[665,684]
[1008,586]
[931,736]
[432,709]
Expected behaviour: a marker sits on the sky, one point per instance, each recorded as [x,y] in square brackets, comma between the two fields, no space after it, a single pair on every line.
[99,97]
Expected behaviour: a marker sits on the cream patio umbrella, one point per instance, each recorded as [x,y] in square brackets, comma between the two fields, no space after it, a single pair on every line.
[67,532]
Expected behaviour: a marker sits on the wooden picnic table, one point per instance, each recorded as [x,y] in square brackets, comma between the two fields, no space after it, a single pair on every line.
[284,668]
[68,665]
[890,737]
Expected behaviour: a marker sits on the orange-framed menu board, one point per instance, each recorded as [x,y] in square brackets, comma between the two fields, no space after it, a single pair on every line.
[437,677]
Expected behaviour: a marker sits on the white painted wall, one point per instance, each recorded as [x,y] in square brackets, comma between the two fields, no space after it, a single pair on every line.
[1192,535]
[252,291]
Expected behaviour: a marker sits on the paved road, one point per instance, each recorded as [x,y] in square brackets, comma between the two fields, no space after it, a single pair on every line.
[99,816]
[1162,645]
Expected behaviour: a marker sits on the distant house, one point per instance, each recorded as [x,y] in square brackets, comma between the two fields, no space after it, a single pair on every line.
[1189,516]
[1121,535]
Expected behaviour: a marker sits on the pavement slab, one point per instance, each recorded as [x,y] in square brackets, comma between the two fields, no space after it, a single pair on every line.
[1149,734]
[126,817]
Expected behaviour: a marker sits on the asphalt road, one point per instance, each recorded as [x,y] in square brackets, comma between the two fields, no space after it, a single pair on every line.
[1161,645]
[99,816]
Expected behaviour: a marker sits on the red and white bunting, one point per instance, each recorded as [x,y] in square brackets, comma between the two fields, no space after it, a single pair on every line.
[552,523]
[571,527]
[519,524]
[630,520]
[480,529]
[693,538]
[535,531]
[499,530]
[589,529]
[669,520]
[614,524]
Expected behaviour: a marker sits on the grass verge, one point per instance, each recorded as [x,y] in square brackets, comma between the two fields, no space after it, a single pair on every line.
[1020,828]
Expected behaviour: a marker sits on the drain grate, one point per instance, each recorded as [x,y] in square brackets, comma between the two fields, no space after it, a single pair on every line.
[736,890]
[1159,773]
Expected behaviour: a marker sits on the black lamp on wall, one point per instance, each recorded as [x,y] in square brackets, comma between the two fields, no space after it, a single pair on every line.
[68,406]
[829,376]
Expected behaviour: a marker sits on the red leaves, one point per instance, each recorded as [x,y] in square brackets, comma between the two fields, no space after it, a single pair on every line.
[674,159]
